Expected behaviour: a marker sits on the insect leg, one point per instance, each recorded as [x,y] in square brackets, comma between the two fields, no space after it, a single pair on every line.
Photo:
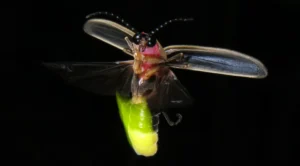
[150,72]
[175,57]
[129,62]
[129,43]
[130,49]
[171,123]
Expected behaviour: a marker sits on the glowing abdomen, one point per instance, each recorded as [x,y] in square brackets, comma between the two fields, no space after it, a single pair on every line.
[140,125]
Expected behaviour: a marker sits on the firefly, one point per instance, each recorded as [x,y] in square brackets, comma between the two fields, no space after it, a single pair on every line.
[145,85]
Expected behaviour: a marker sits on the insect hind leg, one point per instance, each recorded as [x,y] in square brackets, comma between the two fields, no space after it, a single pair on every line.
[170,122]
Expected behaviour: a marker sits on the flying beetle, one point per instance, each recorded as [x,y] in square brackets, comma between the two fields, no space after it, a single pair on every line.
[145,86]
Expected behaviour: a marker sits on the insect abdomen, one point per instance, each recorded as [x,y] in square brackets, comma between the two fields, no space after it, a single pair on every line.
[140,126]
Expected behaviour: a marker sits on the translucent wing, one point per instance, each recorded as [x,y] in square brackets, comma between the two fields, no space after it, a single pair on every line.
[99,78]
[168,92]
[216,60]
[109,32]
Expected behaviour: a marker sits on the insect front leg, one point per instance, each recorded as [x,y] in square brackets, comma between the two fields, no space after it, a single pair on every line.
[129,43]
[130,49]
[176,57]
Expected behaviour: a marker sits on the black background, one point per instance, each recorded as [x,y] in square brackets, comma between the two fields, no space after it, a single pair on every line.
[234,120]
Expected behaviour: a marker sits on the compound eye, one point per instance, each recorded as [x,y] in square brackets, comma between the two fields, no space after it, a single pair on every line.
[151,41]
[137,38]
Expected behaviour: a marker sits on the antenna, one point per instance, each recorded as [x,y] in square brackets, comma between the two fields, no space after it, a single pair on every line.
[111,15]
[169,22]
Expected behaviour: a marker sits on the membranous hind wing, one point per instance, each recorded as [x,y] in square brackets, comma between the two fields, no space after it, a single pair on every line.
[168,92]
[109,32]
[216,60]
[104,78]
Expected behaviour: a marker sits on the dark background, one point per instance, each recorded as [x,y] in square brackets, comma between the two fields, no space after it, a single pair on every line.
[234,120]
